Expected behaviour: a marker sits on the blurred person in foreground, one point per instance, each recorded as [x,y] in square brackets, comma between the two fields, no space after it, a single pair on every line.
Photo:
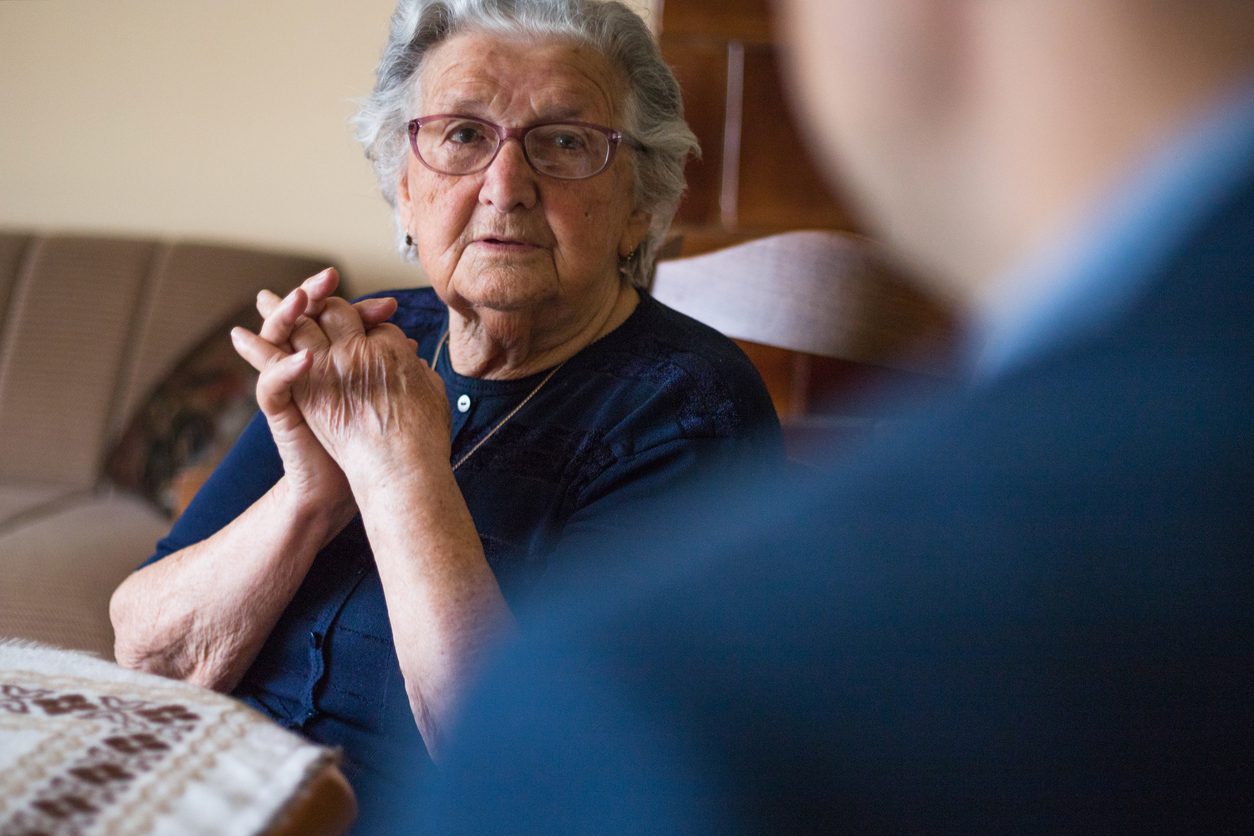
[348,564]
[1031,607]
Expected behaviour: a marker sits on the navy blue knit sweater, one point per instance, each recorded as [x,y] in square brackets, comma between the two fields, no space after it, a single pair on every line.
[660,400]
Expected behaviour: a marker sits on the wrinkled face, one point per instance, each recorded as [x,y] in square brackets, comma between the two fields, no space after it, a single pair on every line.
[508,238]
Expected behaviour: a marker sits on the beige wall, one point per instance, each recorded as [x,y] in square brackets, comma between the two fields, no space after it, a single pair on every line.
[222,120]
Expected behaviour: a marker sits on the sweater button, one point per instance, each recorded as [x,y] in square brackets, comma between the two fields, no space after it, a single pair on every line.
[463,403]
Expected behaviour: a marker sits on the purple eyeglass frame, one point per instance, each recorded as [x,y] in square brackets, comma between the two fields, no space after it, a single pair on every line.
[504,134]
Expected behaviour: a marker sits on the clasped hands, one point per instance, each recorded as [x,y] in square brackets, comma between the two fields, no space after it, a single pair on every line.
[348,401]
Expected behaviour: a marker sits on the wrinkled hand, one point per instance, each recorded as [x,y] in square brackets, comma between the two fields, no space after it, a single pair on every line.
[309,470]
[352,386]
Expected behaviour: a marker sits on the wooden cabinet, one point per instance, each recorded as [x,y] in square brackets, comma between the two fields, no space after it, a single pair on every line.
[756,175]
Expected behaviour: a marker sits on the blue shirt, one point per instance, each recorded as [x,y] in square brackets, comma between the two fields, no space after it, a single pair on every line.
[660,400]
[1086,279]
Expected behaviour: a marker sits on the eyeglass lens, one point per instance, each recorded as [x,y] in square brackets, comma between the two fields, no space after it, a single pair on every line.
[462,146]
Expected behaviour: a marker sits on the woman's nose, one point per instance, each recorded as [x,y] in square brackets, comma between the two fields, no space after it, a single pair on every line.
[510,182]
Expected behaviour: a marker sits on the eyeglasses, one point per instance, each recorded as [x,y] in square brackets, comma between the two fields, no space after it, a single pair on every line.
[451,144]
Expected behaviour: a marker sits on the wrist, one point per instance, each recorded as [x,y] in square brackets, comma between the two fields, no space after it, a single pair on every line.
[401,472]
[323,512]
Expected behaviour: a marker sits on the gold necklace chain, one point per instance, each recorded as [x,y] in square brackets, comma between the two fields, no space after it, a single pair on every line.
[435,358]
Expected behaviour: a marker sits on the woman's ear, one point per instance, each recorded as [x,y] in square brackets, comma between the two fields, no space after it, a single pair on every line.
[634,230]
[404,202]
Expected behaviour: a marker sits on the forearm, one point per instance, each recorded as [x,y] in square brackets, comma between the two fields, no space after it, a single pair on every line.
[382,416]
[203,613]
[443,600]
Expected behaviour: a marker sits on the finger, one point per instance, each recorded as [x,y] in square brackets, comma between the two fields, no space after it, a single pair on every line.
[389,331]
[375,311]
[258,353]
[280,315]
[286,325]
[274,385]
[340,320]
[319,287]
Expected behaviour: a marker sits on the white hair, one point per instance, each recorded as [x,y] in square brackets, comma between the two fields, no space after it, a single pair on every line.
[653,111]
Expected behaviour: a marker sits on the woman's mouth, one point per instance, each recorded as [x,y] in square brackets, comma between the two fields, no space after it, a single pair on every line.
[505,243]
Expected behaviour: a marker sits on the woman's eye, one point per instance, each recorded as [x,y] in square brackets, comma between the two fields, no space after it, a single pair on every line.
[568,142]
[465,135]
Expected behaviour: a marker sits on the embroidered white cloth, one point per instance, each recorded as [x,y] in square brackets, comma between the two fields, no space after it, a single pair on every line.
[89,747]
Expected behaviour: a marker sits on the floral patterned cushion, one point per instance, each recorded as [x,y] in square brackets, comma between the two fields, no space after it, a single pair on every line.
[188,422]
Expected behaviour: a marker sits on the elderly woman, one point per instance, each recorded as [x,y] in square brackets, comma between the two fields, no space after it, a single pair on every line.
[364,542]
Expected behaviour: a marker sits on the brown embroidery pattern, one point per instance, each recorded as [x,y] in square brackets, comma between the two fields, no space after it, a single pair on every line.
[88,747]
[131,737]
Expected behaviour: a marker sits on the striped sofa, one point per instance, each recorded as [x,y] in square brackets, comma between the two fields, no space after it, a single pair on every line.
[90,328]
